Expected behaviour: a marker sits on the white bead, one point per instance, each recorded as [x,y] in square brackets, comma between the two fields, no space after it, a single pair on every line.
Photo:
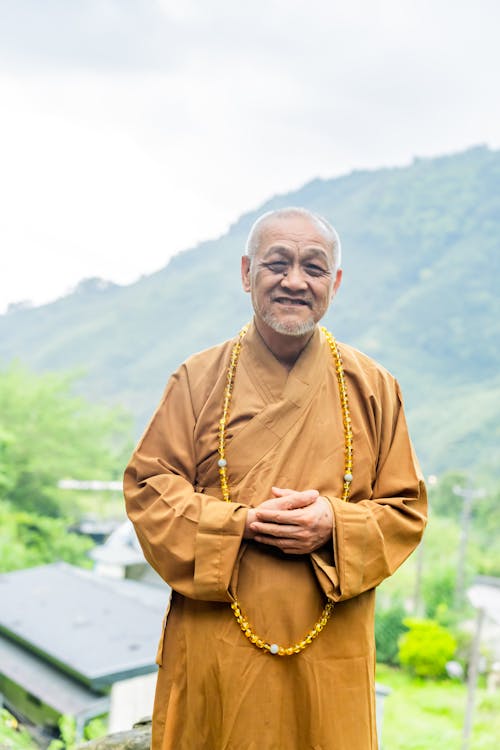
[274,648]
[347,477]
[222,462]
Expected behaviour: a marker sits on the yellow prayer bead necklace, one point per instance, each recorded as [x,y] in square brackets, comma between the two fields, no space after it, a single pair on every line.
[274,648]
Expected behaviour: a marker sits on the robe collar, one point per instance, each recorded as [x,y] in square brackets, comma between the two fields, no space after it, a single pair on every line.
[285,395]
[271,378]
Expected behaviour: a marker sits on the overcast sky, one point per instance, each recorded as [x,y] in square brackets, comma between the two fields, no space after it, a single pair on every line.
[132,129]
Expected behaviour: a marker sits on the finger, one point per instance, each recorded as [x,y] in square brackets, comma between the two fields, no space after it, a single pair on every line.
[288,546]
[277,503]
[294,499]
[283,491]
[274,503]
[276,530]
[283,516]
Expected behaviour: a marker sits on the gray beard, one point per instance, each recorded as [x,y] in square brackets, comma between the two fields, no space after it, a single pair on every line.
[290,329]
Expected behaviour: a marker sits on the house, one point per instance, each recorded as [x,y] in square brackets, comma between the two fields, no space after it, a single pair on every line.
[74,642]
[121,557]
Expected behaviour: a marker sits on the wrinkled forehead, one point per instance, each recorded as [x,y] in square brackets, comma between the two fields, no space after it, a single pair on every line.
[297,232]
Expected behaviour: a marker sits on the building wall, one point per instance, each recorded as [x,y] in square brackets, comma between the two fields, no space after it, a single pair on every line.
[28,705]
[131,700]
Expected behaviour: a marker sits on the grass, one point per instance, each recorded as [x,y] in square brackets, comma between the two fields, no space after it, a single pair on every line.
[424,715]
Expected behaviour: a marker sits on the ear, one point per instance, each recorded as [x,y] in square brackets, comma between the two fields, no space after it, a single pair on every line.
[336,283]
[245,273]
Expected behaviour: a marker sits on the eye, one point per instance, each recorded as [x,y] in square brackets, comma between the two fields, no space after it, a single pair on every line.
[276,266]
[314,270]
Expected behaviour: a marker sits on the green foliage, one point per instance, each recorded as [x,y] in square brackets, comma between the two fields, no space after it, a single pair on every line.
[485,516]
[12,736]
[485,529]
[438,590]
[47,433]
[67,731]
[388,628]
[94,729]
[426,648]
[442,500]
[488,564]
[442,541]
[464,643]
[27,540]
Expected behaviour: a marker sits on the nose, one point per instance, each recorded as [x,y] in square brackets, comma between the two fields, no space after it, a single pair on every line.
[294,279]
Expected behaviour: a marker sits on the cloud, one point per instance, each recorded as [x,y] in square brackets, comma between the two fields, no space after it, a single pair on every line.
[159,35]
[99,35]
[133,129]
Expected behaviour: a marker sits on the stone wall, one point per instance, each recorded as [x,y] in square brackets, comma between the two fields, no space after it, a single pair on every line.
[138,738]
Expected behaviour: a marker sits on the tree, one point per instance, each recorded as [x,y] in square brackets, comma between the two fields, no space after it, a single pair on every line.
[27,539]
[48,433]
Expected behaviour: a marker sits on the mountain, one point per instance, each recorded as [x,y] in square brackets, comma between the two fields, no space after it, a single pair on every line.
[421,269]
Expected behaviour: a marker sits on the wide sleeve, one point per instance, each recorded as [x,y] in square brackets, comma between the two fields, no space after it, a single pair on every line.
[374,536]
[191,539]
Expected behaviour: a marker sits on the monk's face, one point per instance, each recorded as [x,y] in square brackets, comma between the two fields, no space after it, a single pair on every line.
[291,277]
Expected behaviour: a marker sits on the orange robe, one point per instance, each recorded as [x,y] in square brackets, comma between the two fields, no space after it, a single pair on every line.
[215,690]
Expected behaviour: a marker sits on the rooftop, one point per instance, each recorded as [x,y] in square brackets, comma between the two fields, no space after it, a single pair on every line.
[97,629]
[48,684]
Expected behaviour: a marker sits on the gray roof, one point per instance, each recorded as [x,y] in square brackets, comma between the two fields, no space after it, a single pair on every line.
[97,629]
[48,684]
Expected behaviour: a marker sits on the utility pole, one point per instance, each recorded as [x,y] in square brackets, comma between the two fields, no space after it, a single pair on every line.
[468,495]
[472,680]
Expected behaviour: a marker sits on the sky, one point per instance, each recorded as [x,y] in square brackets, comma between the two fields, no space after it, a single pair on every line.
[133,129]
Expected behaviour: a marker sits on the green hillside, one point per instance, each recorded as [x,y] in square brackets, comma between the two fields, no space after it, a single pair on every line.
[421,264]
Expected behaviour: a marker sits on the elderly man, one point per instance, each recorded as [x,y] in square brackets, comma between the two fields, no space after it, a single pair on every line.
[274,489]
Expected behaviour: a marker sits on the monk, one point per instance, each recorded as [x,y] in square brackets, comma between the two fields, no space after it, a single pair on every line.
[274,488]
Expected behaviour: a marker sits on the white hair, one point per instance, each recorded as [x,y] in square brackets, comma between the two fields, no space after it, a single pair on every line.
[255,235]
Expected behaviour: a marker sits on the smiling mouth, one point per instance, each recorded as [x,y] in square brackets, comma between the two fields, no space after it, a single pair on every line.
[292,301]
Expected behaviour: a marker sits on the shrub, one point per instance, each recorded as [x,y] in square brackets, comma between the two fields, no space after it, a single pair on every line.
[425,648]
[388,628]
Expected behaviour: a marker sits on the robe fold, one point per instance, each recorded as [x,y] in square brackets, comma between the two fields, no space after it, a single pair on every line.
[215,690]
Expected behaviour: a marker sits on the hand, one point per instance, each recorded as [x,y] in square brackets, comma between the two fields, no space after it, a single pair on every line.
[283,500]
[295,522]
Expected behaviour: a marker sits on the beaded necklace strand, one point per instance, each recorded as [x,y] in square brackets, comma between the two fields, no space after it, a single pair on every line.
[274,648]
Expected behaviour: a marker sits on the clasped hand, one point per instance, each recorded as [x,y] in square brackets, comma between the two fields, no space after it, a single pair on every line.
[295,522]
